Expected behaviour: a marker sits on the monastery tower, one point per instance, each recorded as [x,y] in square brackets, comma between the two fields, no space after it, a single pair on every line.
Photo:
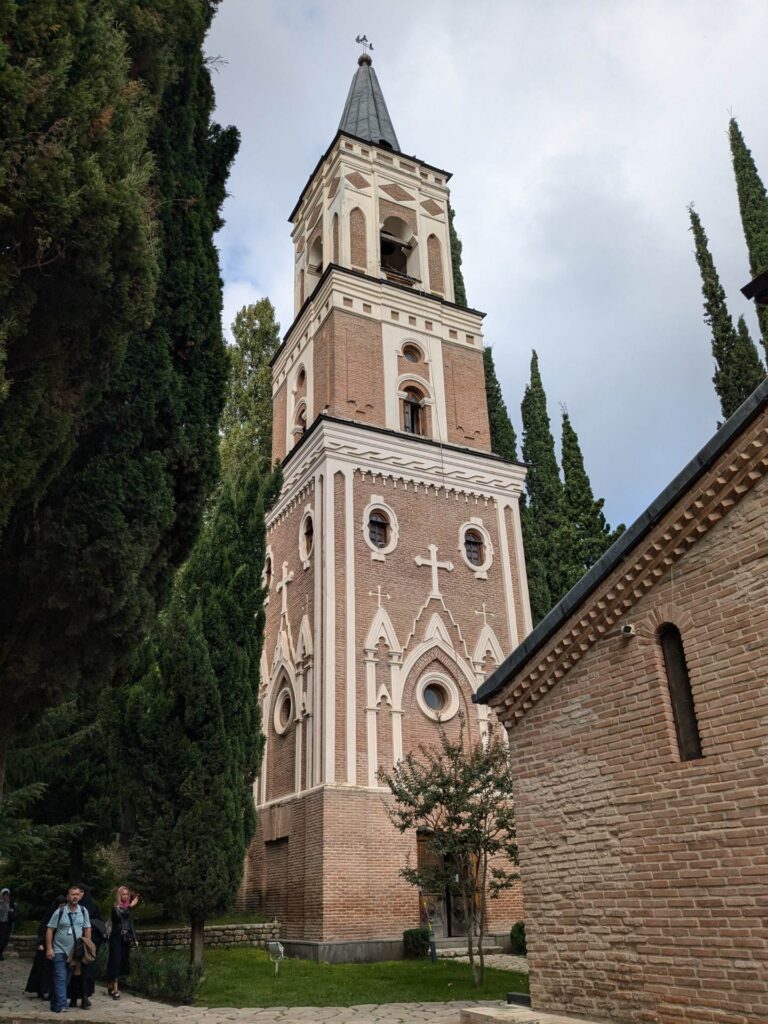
[395,559]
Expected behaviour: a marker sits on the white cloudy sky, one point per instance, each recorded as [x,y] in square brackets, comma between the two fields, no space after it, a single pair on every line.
[577,133]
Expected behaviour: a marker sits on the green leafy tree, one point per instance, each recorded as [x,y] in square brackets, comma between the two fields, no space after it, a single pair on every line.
[460,794]
[190,818]
[503,437]
[77,261]
[753,205]
[459,291]
[583,512]
[84,569]
[738,369]
[247,418]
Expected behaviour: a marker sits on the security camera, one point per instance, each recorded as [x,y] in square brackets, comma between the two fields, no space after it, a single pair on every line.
[628,630]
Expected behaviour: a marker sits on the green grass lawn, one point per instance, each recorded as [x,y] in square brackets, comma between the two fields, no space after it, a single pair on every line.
[246,977]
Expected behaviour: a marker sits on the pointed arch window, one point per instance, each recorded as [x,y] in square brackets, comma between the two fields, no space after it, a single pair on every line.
[680,693]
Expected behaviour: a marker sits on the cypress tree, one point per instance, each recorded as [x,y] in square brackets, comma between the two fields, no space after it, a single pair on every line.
[190,822]
[459,291]
[84,569]
[542,517]
[753,206]
[738,369]
[247,418]
[77,264]
[582,510]
[503,437]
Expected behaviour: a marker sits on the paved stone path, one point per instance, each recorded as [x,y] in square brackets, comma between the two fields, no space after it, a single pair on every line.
[15,1005]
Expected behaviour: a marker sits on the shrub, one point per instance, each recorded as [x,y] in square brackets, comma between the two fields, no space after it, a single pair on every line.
[517,938]
[164,975]
[416,943]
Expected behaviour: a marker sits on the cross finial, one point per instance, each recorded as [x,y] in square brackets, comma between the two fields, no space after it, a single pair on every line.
[485,614]
[363,40]
[377,594]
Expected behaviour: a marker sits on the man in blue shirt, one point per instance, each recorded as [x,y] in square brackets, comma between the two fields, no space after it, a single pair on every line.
[66,926]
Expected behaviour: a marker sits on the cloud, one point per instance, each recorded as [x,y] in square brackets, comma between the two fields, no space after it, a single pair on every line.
[577,134]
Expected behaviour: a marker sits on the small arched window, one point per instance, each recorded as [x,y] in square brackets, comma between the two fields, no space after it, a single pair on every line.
[378,528]
[474,547]
[680,693]
[268,573]
[316,257]
[413,412]
[412,353]
[301,421]
[335,238]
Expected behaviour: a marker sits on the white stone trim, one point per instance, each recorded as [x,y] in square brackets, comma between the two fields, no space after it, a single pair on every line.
[328,563]
[277,725]
[377,502]
[480,572]
[522,576]
[349,584]
[304,555]
[451,710]
[317,674]
[509,594]
[398,457]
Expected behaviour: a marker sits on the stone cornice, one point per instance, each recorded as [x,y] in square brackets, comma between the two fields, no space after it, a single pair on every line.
[393,456]
[695,513]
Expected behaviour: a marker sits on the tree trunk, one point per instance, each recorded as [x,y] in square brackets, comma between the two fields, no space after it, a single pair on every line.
[196,945]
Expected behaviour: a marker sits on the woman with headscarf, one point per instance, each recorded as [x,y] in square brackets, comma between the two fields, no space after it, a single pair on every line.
[83,985]
[7,917]
[121,937]
[39,980]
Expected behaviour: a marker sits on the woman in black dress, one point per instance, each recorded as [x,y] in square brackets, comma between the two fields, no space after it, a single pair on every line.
[121,937]
[39,980]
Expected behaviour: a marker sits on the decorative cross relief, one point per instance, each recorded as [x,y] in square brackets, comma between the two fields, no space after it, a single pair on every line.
[282,589]
[486,614]
[378,595]
[433,563]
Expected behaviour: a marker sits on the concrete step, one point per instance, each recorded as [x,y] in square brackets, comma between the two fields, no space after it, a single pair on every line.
[451,954]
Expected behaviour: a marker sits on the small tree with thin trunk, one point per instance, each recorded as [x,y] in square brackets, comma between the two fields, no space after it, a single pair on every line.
[459,794]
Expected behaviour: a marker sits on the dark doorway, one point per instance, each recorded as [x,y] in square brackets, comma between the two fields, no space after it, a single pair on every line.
[443,909]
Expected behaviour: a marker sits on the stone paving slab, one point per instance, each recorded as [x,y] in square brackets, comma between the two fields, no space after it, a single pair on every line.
[516,1015]
[15,1005]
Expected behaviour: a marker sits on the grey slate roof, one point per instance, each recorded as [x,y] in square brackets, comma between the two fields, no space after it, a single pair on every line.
[365,112]
[754,406]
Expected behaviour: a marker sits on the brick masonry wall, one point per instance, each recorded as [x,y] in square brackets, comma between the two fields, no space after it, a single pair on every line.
[465,401]
[349,368]
[358,239]
[645,877]
[435,264]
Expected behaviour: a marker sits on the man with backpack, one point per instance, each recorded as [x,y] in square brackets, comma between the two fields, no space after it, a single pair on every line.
[67,924]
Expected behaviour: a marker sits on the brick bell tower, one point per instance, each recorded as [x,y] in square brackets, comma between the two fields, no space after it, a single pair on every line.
[395,560]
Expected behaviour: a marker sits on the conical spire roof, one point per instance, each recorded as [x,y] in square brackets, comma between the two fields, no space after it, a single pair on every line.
[365,112]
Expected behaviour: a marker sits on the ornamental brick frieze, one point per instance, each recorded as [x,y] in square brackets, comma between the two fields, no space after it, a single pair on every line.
[703,507]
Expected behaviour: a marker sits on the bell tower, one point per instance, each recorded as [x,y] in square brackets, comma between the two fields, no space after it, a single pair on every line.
[395,564]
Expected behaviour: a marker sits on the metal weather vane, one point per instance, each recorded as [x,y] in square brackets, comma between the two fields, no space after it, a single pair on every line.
[363,40]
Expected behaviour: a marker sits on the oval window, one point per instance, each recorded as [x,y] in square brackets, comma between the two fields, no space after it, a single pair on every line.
[435,697]
[473,547]
[412,354]
[309,536]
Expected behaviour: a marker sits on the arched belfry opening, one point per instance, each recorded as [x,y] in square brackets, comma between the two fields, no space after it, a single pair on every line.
[398,251]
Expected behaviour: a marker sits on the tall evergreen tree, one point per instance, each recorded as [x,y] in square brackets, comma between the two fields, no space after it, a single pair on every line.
[83,570]
[753,205]
[582,510]
[190,826]
[543,511]
[459,291]
[77,266]
[738,369]
[503,437]
[247,418]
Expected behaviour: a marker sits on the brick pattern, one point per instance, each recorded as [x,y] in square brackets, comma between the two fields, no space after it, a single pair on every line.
[467,409]
[397,192]
[358,240]
[645,876]
[390,209]
[349,367]
[357,180]
[435,264]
